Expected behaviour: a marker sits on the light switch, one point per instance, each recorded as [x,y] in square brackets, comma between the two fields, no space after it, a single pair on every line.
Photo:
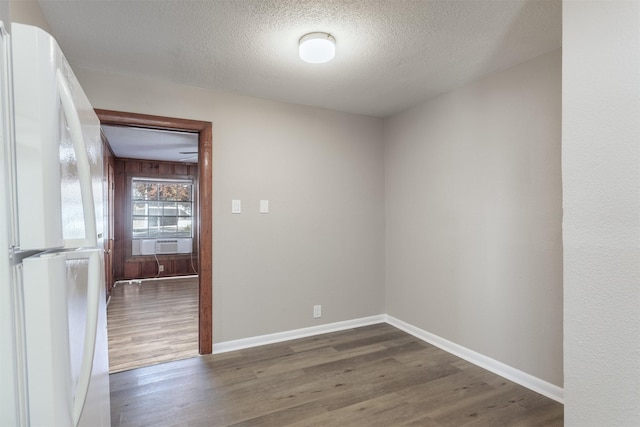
[236,206]
[264,206]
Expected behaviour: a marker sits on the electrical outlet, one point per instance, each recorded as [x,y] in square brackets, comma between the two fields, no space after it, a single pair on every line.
[317,311]
[161,268]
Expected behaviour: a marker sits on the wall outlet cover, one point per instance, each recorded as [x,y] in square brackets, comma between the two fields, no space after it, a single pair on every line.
[236,206]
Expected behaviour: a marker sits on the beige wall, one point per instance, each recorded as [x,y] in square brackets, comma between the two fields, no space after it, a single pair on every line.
[28,12]
[473,217]
[5,13]
[323,174]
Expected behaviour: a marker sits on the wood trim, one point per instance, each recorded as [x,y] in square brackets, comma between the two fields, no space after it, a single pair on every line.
[205,203]
[108,203]
[119,118]
[205,184]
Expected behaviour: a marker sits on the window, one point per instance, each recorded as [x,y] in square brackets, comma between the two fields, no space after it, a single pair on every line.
[161,208]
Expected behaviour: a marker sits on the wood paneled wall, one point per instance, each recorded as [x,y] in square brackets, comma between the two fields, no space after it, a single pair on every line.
[127,266]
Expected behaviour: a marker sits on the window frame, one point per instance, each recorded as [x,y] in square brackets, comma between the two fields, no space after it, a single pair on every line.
[161,203]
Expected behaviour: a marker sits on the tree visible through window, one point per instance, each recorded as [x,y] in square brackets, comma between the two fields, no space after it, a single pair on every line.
[161,208]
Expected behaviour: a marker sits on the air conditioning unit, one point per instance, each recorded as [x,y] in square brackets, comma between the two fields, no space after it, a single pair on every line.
[163,246]
[166,246]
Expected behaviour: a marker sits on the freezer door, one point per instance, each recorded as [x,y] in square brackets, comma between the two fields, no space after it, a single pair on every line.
[58,148]
[65,329]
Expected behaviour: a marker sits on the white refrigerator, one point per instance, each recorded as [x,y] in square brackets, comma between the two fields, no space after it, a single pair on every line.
[54,357]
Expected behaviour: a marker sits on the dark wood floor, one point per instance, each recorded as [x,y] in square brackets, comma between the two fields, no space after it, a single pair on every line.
[152,323]
[370,376]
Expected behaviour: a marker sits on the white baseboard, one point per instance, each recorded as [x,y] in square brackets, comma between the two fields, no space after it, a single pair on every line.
[240,344]
[526,380]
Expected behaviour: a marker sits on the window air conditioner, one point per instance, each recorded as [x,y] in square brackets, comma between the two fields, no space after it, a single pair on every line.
[165,246]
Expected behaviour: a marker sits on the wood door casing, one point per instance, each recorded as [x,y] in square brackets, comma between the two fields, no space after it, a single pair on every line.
[204,197]
[110,221]
[108,201]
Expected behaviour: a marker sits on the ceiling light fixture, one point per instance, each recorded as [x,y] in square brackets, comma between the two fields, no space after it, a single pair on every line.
[317,48]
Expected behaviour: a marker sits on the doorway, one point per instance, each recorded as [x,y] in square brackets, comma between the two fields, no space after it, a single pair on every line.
[204,202]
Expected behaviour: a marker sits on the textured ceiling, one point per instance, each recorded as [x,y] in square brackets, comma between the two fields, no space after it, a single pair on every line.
[390,54]
[152,144]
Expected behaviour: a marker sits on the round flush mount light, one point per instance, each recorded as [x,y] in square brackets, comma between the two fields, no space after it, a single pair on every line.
[317,48]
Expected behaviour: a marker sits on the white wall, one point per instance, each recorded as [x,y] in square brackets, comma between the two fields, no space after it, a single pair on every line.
[473,217]
[323,174]
[601,227]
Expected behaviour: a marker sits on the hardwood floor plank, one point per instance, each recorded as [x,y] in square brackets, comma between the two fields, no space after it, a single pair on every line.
[287,416]
[334,367]
[375,339]
[152,323]
[338,337]
[378,411]
[371,376]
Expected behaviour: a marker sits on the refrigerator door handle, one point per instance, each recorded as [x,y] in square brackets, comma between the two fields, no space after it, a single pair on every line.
[88,352]
[84,170]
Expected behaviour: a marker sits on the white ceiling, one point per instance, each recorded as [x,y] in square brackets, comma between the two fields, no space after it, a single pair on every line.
[152,144]
[391,54]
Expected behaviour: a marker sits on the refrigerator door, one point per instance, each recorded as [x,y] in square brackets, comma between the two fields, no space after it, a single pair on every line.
[88,337]
[47,340]
[13,411]
[14,406]
[58,148]
[65,329]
